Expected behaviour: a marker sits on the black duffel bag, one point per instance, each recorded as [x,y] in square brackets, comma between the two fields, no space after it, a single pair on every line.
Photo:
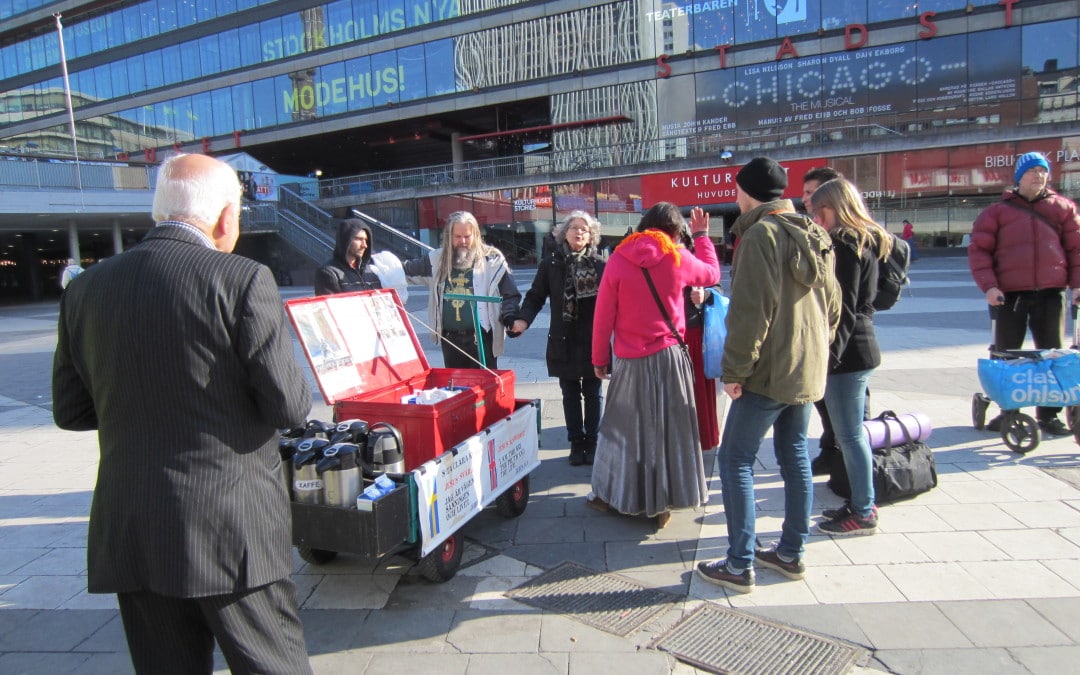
[900,472]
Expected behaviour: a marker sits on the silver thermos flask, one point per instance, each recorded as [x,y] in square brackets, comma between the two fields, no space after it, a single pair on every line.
[307,486]
[340,475]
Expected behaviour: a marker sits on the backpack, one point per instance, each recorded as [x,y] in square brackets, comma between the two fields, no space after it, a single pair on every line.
[892,274]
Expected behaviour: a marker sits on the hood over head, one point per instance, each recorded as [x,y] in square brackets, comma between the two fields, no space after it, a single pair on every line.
[810,262]
[646,249]
[347,229]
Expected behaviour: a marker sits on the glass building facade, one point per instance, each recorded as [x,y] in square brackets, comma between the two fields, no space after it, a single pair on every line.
[924,103]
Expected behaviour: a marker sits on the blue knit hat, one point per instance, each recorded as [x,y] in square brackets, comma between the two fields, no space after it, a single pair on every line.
[1029,160]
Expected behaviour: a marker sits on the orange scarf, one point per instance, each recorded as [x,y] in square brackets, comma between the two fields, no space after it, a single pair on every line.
[664,241]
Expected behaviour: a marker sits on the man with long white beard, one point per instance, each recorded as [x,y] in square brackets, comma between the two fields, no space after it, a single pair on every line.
[466,266]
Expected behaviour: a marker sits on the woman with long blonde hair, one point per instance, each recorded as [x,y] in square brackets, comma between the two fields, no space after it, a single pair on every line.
[859,244]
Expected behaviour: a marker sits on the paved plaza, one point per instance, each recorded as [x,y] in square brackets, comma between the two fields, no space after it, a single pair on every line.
[981,575]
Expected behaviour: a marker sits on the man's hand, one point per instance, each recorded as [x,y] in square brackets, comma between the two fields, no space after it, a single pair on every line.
[601,372]
[519,326]
[733,390]
[995,297]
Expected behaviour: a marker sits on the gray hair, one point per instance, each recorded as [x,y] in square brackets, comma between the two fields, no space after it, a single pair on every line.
[594,228]
[196,197]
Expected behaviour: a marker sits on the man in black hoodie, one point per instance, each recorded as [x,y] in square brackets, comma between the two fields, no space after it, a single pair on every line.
[349,269]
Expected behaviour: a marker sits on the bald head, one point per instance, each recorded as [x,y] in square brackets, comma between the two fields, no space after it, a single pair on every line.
[200,191]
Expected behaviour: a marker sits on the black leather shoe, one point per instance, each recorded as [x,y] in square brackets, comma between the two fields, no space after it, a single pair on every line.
[1054,427]
[995,424]
[821,465]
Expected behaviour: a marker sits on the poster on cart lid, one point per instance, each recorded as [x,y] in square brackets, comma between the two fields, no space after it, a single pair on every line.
[459,483]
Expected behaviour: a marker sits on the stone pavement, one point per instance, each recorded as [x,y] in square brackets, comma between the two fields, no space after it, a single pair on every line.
[981,575]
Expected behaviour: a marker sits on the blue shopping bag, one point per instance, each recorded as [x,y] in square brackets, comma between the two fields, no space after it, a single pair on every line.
[1016,383]
[716,307]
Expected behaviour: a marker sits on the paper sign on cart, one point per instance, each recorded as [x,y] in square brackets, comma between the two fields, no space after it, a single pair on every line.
[457,485]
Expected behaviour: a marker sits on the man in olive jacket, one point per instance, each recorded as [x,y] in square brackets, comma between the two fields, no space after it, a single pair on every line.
[785,306]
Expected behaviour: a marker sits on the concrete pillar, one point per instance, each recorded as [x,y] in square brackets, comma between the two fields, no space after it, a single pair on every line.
[117,237]
[73,242]
[456,154]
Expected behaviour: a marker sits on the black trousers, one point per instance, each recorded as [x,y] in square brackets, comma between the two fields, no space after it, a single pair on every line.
[1043,312]
[574,391]
[258,631]
[465,340]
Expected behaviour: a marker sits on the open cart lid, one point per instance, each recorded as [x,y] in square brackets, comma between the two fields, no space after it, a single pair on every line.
[356,342]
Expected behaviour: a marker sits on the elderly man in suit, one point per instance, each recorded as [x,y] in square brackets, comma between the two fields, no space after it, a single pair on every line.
[179,356]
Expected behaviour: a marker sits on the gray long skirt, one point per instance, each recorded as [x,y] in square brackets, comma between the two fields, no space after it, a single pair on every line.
[648,456]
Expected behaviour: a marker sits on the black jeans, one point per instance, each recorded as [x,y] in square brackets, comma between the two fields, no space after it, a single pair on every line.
[465,340]
[580,428]
[1041,311]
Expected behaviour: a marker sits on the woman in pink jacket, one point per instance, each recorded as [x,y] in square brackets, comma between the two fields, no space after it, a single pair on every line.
[647,456]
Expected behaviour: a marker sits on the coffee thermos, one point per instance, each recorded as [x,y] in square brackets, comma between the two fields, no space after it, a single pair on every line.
[340,475]
[307,484]
[384,452]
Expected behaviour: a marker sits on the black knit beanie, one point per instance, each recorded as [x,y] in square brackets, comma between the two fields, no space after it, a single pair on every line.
[763,179]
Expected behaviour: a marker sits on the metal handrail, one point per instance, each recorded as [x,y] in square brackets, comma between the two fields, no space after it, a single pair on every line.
[394,231]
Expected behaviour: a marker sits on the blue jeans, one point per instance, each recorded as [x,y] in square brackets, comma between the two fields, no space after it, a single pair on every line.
[845,397]
[750,417]
[574,389]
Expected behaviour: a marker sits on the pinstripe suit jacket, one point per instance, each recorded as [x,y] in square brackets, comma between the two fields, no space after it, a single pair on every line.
[180,357]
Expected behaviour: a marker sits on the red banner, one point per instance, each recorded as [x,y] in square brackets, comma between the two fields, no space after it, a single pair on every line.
[713,186]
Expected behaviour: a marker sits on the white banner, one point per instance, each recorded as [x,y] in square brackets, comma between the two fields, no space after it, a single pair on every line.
[458,484]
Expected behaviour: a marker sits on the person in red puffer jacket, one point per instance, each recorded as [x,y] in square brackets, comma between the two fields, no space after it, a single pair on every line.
[1024,253]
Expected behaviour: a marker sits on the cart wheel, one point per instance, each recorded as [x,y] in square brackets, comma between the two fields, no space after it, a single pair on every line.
[1020,432]
[316,556]
[979,404]
[443,563]
[512,503]
[1072,418]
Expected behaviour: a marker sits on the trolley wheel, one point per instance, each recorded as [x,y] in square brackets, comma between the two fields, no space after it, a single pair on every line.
[979,405]
[512,503]
[316,556]
[443,563]
[1020,432]
[1072,418]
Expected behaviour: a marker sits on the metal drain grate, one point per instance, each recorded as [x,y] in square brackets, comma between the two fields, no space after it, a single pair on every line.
[723,640]
[605,601]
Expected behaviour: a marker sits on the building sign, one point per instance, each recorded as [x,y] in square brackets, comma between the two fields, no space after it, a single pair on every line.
[712,186]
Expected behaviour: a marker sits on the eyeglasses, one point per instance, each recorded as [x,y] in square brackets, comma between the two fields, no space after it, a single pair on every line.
[577,228]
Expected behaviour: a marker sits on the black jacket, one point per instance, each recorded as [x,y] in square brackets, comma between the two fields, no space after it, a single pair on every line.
[855,346]
[336,275]
[569,344]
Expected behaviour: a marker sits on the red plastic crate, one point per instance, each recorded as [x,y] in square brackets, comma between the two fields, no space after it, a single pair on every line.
[366,357]
[429,430]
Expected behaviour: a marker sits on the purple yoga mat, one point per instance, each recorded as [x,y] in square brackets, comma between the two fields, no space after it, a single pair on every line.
[917,425]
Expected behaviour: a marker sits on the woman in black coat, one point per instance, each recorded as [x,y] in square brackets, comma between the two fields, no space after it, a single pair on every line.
[570,275]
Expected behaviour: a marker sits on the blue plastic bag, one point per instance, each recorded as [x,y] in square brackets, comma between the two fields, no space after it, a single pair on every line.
[716,307]
[1017,383]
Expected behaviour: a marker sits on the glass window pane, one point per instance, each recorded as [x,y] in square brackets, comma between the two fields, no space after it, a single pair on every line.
[250,45]
[265,103]
[367,17]
[393,15]
[358,77]
[384,80]
[209,56]
[186,13]
[208,9]
[884,10]
[120,83]
[270,37]
[148,15]
[132,23]
[170,63]
[333,90]
[340,27]
[229,55]
[282,86]
[155,73]
[753,23]
[713,27]
[136,74]
[99,38]
[52,49]
[37,52]
[166,15]
[440,68]
[246,4]
[840,13]
[202,115]
[294,38]
[221,101]
[411,73]
[243,105]
[103,82]
[190,63]
[1049,47]
[80,45]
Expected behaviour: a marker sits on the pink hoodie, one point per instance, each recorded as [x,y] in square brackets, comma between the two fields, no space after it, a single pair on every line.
[626,307]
